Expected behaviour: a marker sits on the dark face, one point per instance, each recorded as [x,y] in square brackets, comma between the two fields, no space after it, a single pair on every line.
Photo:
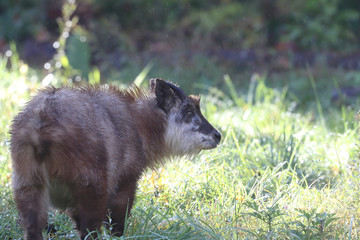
[188,132]
[190,114]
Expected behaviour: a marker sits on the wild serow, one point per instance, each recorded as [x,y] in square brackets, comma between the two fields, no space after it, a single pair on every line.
[84,149]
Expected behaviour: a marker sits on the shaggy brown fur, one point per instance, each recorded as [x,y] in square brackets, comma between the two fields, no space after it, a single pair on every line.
[84,149]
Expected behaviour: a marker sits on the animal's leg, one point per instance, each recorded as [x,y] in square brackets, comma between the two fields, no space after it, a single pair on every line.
[90,211]
[120,205]
[32,204]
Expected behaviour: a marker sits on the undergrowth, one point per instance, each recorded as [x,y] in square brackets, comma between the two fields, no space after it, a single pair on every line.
[278,173]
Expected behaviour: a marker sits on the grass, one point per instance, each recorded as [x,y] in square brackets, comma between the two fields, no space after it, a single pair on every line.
[281,172]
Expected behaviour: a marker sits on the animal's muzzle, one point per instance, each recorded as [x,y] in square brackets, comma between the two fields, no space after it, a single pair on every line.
[217,136]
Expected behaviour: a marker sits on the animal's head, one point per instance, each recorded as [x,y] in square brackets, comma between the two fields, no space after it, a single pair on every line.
[187,131]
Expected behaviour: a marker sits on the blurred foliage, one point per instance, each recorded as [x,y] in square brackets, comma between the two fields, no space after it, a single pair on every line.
[136,15]
[135,24]
[21,18]
[232,25]
[71,62]
[79,54]
[321,24]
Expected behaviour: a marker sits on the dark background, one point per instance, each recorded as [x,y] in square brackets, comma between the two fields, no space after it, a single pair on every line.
[223,28]
[193,42]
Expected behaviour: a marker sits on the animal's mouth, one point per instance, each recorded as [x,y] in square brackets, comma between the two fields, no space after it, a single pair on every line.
[212,141]
[210,147]
[209,144]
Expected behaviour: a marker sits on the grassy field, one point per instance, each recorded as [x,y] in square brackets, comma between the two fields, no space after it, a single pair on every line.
[287,168]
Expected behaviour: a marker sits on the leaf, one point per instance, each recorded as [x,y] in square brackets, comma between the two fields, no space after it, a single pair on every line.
[64,61]
[78,54]
[94,76]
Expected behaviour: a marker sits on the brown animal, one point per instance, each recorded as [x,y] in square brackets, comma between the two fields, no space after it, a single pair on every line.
[84,149]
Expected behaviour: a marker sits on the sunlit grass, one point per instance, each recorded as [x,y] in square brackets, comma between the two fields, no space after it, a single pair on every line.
[278,174]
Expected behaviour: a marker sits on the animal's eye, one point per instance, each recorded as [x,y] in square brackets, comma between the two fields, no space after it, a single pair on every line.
[189,114]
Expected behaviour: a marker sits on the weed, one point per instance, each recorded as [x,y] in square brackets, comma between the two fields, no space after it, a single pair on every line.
[280,173]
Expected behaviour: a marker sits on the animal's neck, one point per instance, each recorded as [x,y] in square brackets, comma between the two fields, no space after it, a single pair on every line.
[151,125]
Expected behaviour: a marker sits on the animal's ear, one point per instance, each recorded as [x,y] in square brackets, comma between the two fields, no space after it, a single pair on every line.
[152,84]
[166,96]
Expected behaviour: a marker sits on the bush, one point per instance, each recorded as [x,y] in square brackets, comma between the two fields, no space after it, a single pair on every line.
[117,25]
[20,19]
[320,25]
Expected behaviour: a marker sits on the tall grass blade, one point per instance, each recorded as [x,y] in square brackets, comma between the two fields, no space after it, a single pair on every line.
[142,75]
[94,76]
[233,94]
[351,222]
[318,103]
[251,91]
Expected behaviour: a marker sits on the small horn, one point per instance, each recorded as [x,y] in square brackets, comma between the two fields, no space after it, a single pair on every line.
[177,90]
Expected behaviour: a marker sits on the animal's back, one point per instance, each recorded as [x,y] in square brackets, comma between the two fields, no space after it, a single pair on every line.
[70,131]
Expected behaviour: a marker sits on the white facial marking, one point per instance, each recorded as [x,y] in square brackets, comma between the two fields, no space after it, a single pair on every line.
[184,139]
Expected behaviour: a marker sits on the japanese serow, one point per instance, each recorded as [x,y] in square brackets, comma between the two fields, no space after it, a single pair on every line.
[84,149]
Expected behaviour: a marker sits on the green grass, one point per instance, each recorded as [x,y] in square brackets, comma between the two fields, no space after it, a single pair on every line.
[281,172]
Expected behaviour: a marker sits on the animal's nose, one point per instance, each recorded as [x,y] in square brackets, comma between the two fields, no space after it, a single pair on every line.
[217,136]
